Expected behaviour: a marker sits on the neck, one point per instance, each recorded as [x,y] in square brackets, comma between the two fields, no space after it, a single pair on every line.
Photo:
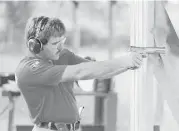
[30,54]
[40,56]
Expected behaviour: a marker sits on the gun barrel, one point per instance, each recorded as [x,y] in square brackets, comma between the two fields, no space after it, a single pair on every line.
[148,50]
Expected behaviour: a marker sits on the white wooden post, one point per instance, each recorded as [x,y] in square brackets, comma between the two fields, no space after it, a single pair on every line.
[110,29]
[76,27]
[143,83]
[110,111]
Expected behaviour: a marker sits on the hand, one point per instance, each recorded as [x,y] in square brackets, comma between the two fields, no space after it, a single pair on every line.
[90,58]
[134,60]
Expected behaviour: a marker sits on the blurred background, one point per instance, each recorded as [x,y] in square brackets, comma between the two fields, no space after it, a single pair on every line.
[92,18]
[100,29]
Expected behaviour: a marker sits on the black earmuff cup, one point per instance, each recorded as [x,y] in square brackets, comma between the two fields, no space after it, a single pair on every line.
[35,45]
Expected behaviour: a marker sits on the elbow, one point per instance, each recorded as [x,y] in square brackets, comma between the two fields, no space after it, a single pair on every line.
[79,76]
[75,73]
[83,75]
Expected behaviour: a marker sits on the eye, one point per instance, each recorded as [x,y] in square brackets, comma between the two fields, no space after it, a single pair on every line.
[54,43]
[59,42]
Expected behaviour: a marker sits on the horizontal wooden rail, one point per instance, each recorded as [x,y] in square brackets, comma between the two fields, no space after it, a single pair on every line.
[84,93]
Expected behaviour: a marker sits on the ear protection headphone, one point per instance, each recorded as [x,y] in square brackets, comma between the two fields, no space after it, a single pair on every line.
[34,44]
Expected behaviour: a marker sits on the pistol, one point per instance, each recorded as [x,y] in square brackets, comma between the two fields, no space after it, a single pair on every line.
[148,50]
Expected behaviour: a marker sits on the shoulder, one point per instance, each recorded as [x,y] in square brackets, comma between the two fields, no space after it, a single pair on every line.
[34,64]
[28,63]
[28,66]
[65,57]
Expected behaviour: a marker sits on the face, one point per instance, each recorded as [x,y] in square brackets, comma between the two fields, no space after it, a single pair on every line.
[54,46]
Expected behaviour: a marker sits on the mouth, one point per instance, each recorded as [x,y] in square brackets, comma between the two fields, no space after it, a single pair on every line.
[58,52]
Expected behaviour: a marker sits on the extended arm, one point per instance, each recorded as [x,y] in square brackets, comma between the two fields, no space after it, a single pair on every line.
[54,74]
[101,69]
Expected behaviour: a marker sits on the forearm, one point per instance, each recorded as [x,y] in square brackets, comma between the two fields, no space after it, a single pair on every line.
[121,70]
[100,70]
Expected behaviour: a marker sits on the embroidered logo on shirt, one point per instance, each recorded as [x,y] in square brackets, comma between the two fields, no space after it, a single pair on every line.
[35,64]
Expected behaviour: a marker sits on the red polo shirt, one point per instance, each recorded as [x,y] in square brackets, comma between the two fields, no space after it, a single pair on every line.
[46,98]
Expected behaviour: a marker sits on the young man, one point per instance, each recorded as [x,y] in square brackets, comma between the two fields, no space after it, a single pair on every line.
[46,75]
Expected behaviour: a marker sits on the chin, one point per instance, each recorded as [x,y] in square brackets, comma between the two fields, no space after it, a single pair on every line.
[55,57]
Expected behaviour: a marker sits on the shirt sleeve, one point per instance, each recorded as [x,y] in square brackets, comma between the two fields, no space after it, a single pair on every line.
[69,58]
[75,59]
[44,74]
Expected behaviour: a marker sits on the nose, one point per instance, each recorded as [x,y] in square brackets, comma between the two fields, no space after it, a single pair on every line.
[60,46]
